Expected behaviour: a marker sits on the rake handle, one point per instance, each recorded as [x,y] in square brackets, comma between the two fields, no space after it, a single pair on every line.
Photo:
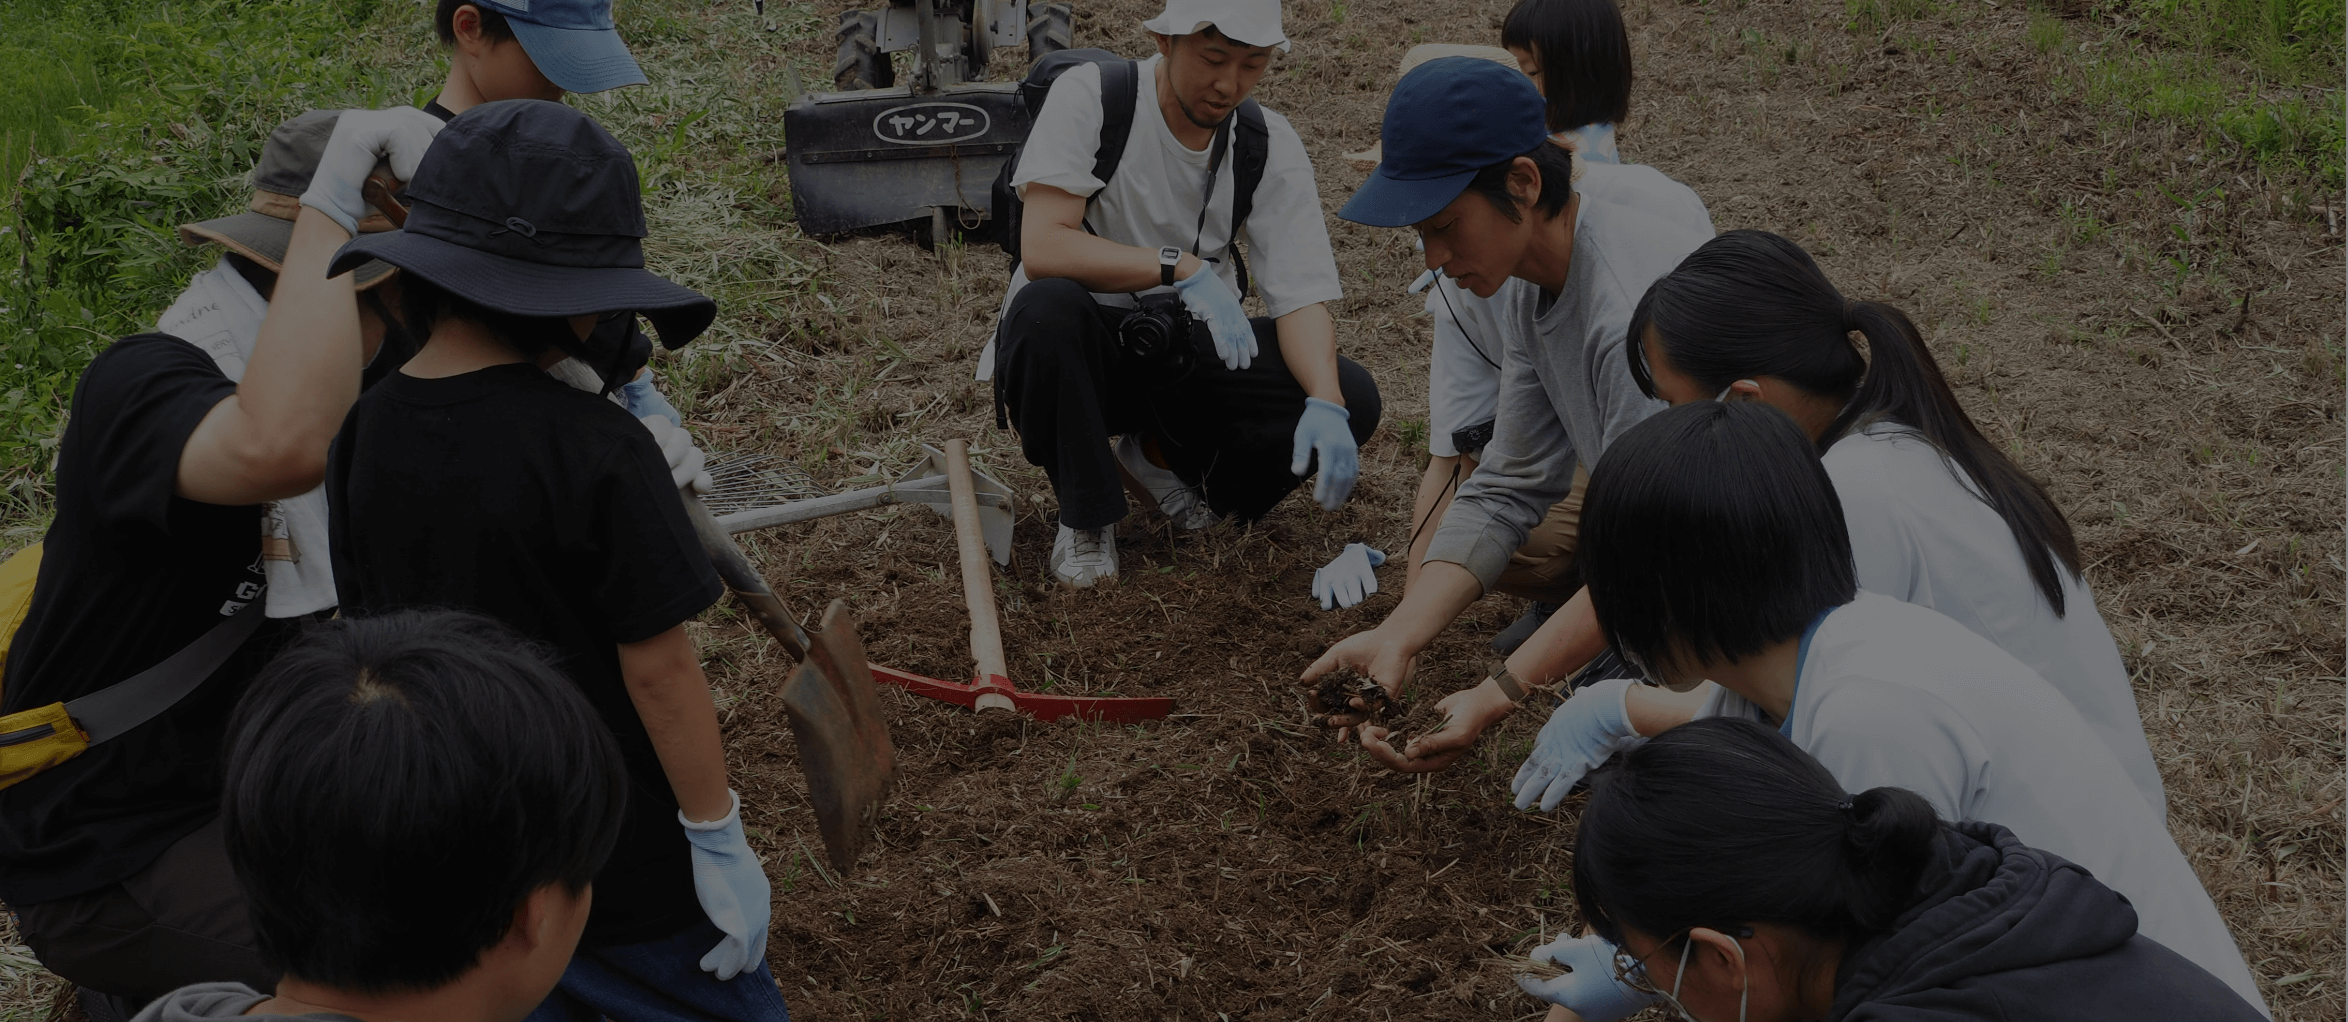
[978,584]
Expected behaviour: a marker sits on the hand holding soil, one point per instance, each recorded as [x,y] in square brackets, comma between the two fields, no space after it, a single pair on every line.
[1463,715]
[1373,654]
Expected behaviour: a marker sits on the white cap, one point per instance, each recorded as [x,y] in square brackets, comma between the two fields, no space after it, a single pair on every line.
[1252,22]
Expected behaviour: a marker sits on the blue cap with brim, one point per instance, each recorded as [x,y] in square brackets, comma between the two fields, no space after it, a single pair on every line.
[575,43]
[1449,118]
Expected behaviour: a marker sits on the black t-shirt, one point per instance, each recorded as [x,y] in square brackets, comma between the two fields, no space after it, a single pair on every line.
[130,573]
[506,492]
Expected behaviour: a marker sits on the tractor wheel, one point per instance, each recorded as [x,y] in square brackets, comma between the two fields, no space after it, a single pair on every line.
[861,64]
[1049,30]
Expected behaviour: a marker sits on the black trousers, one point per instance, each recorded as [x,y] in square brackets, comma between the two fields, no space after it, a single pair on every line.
[179,921]
[1065,388]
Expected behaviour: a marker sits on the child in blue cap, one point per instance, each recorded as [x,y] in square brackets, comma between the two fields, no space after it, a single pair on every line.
[1468,163]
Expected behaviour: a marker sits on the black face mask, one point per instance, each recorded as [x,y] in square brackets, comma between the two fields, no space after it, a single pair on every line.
[615,348]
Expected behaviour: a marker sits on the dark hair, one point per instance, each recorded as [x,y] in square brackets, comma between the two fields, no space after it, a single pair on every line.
[398,785]
[1555,165]
[1585,56]
[1750,303]
[423,304]
[1723,822]
[1712,530]
[493,25]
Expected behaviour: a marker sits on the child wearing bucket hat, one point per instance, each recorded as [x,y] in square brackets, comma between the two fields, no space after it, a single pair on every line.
[158,598]
[1468,163]
[472,479]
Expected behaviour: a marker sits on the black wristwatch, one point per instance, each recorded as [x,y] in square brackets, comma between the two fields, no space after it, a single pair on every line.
[1168,258]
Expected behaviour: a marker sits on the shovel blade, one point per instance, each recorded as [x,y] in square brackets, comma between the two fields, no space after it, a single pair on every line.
[844,746]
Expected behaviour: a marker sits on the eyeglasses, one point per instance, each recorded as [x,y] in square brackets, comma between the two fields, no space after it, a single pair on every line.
[1632,971]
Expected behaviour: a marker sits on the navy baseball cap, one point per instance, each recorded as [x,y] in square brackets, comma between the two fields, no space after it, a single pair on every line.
[574,42]
[1449,118]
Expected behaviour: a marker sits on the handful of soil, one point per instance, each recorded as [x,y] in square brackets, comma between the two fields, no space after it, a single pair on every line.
[1423,719]
[1338,689]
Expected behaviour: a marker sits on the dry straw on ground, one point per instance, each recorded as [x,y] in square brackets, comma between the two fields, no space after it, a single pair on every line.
[2083,282]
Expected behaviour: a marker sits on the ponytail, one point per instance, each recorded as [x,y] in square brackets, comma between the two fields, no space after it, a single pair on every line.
[1904,384]
[1750,304]
[1723,822]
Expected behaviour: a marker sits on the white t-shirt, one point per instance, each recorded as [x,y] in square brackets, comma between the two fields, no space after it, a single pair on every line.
[1921,533]
[1892,694]
[1463,378]
[1153,199]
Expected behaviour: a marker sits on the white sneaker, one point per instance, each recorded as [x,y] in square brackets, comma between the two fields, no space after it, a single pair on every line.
[1180,501]
[1081,558]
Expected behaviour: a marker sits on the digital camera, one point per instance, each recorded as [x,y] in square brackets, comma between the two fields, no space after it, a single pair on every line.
[1156,336]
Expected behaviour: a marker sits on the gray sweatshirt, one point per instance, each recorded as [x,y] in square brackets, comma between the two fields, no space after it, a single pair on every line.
[1565,390]
[217,1000]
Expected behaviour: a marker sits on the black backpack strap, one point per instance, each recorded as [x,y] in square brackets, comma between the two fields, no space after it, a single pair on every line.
[1120,90]
[1251,150]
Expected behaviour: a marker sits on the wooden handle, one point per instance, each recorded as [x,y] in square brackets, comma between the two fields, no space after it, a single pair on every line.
[978,581]
[377,191]
[743,578]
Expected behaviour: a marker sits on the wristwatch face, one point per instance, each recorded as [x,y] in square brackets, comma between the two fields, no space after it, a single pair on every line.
[1167,258]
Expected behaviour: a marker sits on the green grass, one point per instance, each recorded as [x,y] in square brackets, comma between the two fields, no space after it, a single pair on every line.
[138,117]
[2257,80]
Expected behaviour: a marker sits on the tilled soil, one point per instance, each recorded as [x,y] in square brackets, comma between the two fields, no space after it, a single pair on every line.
[1229,862]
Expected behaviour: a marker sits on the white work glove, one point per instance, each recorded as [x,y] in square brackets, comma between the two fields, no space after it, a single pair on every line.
[687,465]
[1589,989]
[642,399]
[1595,723]
[1348,580]
[733,891]
[1213,302]
[361,138]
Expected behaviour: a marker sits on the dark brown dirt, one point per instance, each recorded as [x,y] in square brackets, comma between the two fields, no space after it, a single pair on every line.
[2082,280]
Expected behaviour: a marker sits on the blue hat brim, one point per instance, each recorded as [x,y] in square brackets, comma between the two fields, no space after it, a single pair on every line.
[517,287]
[579,60]
[1393,202]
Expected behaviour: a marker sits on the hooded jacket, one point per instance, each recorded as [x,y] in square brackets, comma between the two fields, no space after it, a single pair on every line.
[2000,930]
[219,1000]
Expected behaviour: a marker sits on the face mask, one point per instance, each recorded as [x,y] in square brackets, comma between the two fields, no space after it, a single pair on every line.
[1672,998]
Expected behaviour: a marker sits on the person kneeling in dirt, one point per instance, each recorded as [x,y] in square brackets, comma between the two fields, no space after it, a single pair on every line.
[472,479]
[157,587]
[417,805]
[1727,874]
[1492,200]
[1219,415]
[1720,563]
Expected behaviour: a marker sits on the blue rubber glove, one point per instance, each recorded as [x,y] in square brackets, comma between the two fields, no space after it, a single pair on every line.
[642,399]
[1211,301]
[1590,989]
[733,891]
[1590,727]
[1323,431]
[1348,580]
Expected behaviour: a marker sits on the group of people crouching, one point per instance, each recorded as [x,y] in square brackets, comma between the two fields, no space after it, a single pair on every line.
[1857,741]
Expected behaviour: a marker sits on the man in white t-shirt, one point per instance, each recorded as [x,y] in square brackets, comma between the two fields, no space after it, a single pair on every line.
[1224,416]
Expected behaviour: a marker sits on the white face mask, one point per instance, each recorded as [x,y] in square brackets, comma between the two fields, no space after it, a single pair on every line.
[1672,998]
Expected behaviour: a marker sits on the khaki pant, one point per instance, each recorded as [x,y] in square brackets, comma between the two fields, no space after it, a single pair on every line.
[1543,568]
[179,921]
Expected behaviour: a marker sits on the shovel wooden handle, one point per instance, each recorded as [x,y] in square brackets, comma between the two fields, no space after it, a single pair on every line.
[978,581]
[743,578]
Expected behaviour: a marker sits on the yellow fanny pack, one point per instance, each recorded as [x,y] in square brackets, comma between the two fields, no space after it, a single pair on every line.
[42,737]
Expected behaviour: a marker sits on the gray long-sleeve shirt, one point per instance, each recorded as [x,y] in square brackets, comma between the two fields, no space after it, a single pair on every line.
[1565,389]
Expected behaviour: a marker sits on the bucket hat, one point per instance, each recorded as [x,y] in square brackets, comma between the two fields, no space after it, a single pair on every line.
[1448,118]
[575,43]
[265,229]
[530,208]
[1252,22]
